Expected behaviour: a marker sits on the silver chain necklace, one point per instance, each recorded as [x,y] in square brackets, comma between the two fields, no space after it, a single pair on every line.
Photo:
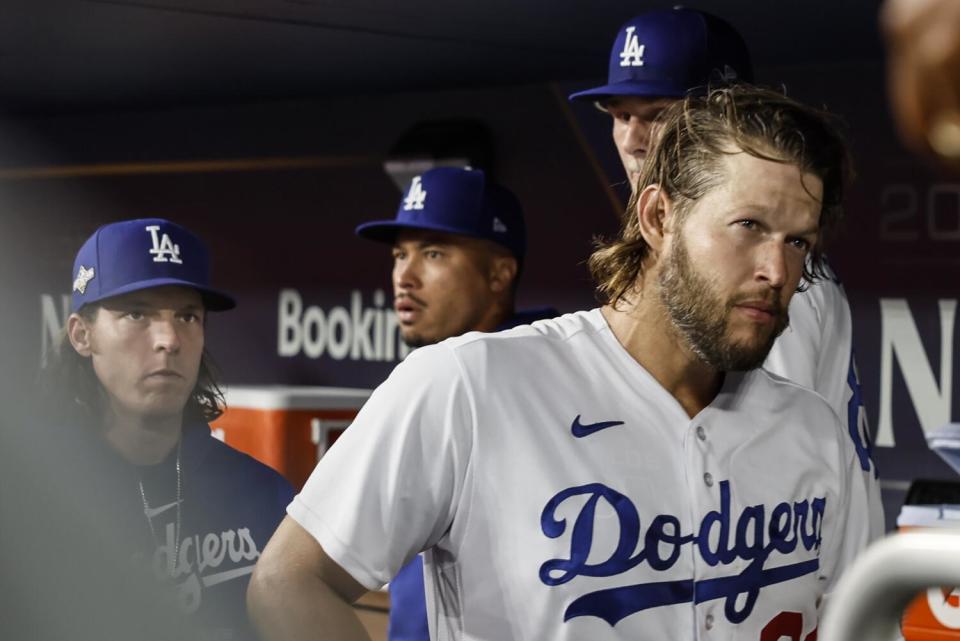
[146,511]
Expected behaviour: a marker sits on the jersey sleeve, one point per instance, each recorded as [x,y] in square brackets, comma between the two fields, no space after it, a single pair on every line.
[838,381]
[817,351]
[851,531]
[389,486]
[854,417]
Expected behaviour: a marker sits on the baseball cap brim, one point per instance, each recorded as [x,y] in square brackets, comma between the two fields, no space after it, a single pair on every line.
[632,88]
[213,300]
[385,231]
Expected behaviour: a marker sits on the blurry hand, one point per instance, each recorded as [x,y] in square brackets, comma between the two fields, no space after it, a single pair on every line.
[923,41]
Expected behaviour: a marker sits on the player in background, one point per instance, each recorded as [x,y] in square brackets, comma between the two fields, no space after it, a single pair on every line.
[459,241]
[656,59]
[136,392]
[624,472]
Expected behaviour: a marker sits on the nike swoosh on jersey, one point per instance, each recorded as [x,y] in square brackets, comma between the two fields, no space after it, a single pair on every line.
[580,430]
[156,511]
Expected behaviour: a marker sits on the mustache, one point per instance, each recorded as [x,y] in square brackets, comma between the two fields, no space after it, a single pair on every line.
[408,296]
[769,298]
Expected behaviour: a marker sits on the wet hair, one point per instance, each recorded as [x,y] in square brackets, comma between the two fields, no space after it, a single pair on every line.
[75,393]
[691,137]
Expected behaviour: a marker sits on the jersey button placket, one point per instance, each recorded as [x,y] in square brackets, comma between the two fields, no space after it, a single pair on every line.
[701,433]
[707,462]
[700,459]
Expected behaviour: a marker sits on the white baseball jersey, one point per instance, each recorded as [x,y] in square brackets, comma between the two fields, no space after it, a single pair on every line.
[816,350]
[561,493]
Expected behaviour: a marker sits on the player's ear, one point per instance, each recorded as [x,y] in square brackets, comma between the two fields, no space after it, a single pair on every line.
[79,334]
[653,212]
[503,271]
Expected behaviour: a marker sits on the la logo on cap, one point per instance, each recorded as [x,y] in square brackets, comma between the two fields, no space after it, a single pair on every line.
[416,196]
[632,54]
[729,74]
[164,250]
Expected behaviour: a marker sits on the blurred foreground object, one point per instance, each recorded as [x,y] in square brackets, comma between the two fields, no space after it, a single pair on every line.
[934,614]
[882,587]
[872,595]
[923,42]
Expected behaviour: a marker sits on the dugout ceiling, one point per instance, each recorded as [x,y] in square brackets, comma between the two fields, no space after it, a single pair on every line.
[65,55]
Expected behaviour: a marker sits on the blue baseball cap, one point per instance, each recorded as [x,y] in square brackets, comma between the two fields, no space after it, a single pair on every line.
[131,255]
[670,52]
[456,201]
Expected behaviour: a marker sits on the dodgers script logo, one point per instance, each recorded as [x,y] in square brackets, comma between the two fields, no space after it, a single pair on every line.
[416,197]
[164,250]
[632,54]
[756,536]
[203,561]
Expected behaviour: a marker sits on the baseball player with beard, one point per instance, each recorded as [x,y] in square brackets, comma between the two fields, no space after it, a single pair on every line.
[627,472]
[656,59]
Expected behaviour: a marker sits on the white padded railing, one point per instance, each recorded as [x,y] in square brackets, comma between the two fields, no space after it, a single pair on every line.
[870,599]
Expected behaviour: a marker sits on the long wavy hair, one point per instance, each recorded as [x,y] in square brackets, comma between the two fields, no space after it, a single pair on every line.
[690,139]
[75,394]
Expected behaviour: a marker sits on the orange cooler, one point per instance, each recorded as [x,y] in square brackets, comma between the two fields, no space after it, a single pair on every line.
[933,616]
[288,428]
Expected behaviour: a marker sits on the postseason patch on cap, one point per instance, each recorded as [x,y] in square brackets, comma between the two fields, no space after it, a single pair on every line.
[84,276]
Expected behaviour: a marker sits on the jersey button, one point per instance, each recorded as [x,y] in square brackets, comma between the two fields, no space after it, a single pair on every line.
[708,622]
[708,479]
[701,433]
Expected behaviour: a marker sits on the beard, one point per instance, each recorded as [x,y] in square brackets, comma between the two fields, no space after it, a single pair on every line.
[702,318]
[414,340]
